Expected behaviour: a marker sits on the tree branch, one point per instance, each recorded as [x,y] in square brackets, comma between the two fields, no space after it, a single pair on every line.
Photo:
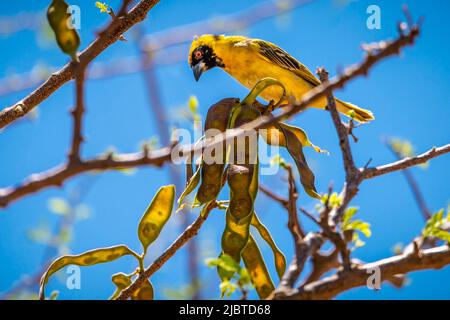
[272,195]
[77,114]
[190,232]
[373,172]
[59,174]
[111,34]
[329,287]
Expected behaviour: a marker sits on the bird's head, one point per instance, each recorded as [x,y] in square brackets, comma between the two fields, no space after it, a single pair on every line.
[202,56]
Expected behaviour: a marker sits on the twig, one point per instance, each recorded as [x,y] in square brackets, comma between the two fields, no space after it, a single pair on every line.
[307,246]
[188,234]
[293,222]
[77,114]
[342,131]
[111,34]
[272,195]
[321,264]
[417,194]
[329,287]
[404,163]
[59,174]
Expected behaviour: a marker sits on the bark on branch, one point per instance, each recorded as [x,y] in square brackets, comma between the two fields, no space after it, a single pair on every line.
[327,288]
[108,36]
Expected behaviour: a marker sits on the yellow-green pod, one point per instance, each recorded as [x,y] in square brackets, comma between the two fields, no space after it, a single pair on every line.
[295,148]
[278,256]
[257,269]
[121,281]
[156,215]
[216,121]
[242,179]
[144,292]
[59,19]
[88,258]
[235,235]
[275,137]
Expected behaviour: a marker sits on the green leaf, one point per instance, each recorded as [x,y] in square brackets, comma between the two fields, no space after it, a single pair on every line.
[349,214]
[435,226]
[156,216]
[40,234]
[67,38]
[193,104]
[278,160]
[225,262]
[104,8]
[88,258]
[278,256]
[334,200]
[227,288]
[295,149]
[359,225]
[256,266]
[348,224]
[244,277]
[59,206]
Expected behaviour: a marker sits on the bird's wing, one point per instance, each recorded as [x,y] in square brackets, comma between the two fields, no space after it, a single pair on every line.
[276,55]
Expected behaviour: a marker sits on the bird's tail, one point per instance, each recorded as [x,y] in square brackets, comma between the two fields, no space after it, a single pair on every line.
[354,112]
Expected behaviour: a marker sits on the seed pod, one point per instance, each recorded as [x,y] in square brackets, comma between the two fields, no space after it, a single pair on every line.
[88,258]
[275,137]
[243,182]
[278,256]
[257,269]
[212,171]
[67,38]
[294,146]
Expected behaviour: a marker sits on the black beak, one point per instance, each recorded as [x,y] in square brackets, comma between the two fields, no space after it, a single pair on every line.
[198,69]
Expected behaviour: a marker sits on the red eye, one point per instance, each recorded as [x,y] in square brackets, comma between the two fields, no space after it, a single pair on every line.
[198,54]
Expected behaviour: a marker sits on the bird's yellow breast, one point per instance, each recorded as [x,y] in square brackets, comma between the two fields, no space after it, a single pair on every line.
[248,67]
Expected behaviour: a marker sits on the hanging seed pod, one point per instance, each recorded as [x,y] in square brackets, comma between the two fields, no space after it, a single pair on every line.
[278,256]
[243,183]
[257,269]
[213,163]
[275,137]
[59,19]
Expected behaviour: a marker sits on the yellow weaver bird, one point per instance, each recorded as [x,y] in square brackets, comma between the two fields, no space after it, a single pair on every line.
[250,60]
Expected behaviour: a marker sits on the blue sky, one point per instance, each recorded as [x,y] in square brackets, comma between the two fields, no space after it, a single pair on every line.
[408,95]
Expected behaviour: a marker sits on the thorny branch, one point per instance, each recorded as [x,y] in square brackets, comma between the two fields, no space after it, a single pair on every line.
[327,288]
[77,113]
[190,232]
[108,36]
